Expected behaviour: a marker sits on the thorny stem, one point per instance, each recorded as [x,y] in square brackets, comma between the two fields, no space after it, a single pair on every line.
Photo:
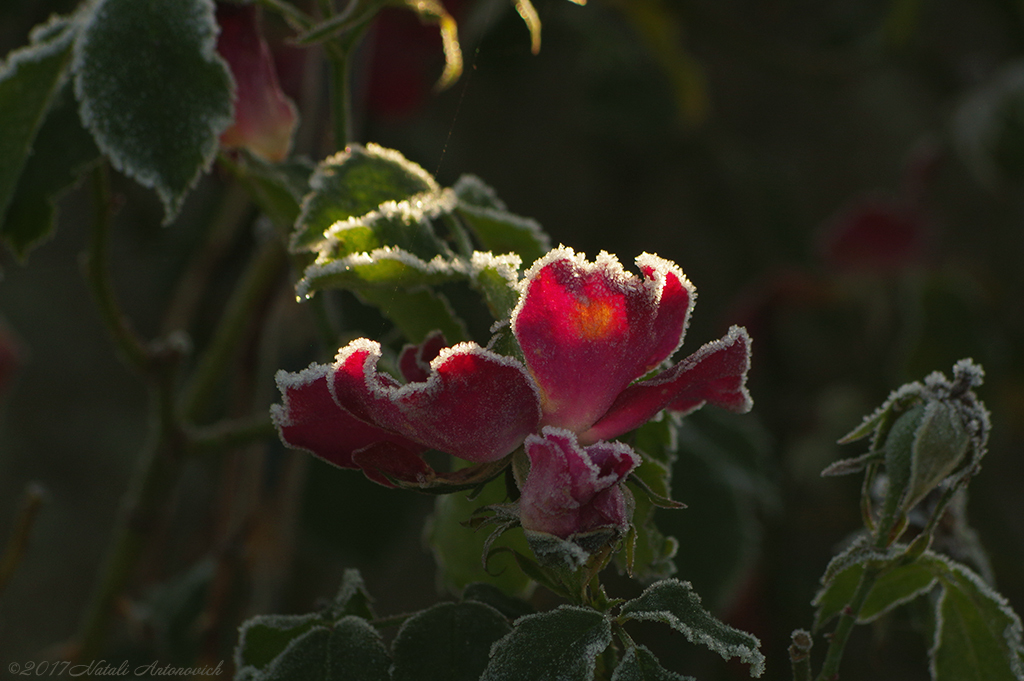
[31,502]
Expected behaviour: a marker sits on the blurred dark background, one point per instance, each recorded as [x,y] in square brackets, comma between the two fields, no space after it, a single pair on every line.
[842,177]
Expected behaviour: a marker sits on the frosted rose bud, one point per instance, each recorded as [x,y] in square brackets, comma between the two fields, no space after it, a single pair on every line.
[265,118]
[572,502]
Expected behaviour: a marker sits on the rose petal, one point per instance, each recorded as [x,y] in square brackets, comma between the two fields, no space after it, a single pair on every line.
[475,404]
[571,489]
[715,374]
[414,362]
[310,419]
[264,117]
[588,330]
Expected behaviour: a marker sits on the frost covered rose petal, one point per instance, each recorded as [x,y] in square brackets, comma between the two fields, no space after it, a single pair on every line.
[587,330]
[475,404]
[715,374]
[265,118]
[310,419]
[414,362]
[572,490]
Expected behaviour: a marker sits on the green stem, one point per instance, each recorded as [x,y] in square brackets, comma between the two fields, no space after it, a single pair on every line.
[97,272]
[251,292]
[31,502]
[298,19]
[230,435]
[341,98]
[848,618]
[153,481]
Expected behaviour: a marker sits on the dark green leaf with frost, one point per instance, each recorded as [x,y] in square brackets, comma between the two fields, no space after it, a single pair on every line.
[345,650]
[62,151]
[447,642]
[417,312]
[262,638]
[676,604]
[559,644]
[940,445]
[899,450]
[979,636]
[640,664]
[30,79]
[359,181]
[352,597]
[153,91]
[472,191]
[893,588]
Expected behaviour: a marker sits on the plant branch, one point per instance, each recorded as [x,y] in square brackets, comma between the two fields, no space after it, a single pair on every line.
[800,655]
[31,502]
[256,284]
[129,345]
[228,435]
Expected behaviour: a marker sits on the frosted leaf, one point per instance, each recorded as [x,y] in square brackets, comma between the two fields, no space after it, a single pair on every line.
[386,267]
[640,664]
[497,278]
[676,604]
[447,642]
[62,151]
[416,312]
[559,644]
[502,232]
[153,91]
[977,633]
[347,649]
[30,79]
[263,638]
[472,191]
[358,181]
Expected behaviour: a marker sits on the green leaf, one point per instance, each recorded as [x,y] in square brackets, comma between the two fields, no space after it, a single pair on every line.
[501,232]
[676,604]
[62,151]
[509,606]
[277,188]
[497,278]
[385,268]
[978,636]
[349,649]
[262,638]
[892,588]
[30,78]
[640,664]
[559,644]
[448,642]
[352,598]
[153,91]
[458,550]
[722,474]
[495,228]
[358,181]
[417,312]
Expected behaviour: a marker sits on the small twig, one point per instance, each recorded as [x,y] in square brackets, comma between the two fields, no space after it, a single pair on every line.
[800,655]
[228,435]
[17,545]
